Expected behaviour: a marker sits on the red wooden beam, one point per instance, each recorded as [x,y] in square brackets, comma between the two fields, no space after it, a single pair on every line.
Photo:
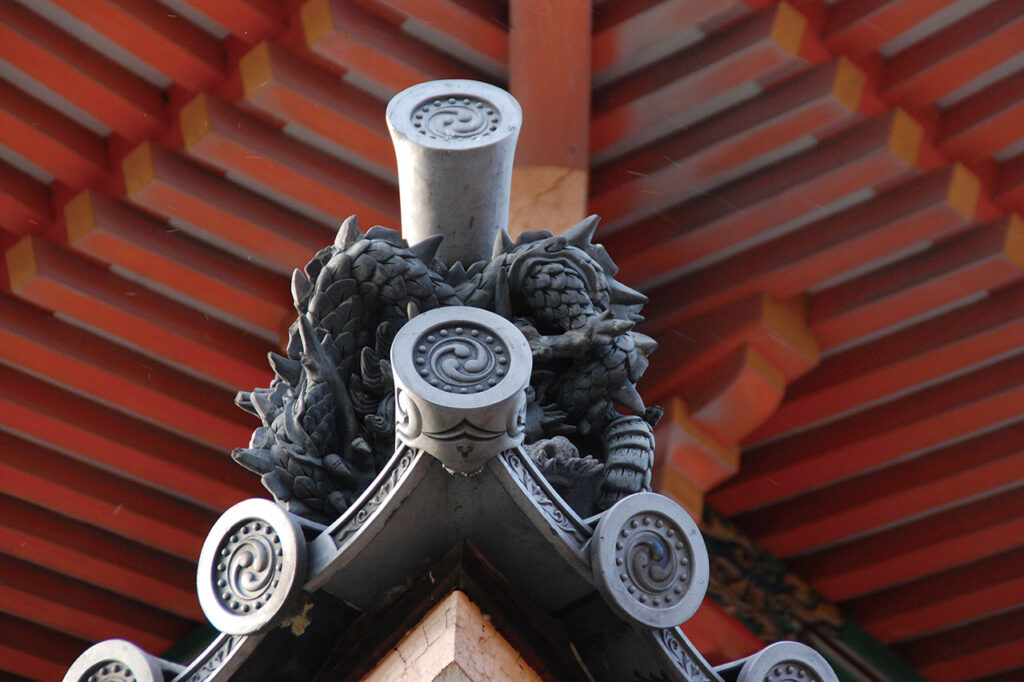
[704,155]
[120,99]
[1009,184]
[54,279]
[47,138]
[475,38]
[665,96]
[984,123]
[734,397]
[249,20]
[985,647]
[227,139]
[38,536]
[979,260]
[949,598]
[99,498]
[955,536]
[279,83]
[363,42]
[921,353]
[954,56]
[32,652]
[923,208]
[24,202]
[877,151]
[630,35]
[91,365]
[70,423]
[66,605]
[164,40]
[856,27]
[878,499]
[774,328]
[252,227]
[850,445]
[114,234]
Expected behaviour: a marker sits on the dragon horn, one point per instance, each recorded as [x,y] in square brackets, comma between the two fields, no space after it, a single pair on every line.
[348,233]
[627,395]
[580,234]
[620,293]
[502,298]
[502,244]
[646,344]
[301,289]
[427,249]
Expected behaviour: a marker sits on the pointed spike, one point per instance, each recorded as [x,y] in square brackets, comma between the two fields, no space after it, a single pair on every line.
[456,274]
[502,297]
[311,346]
[255,461]
[580,234]
[286,369]
[426,249]
[301,288]
[620,293]
[243,399]
[626,394]
[348,233]
[502,244]
[646,344]
[412,310]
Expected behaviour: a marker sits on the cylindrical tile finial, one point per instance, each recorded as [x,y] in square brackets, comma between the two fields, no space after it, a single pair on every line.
[455,141]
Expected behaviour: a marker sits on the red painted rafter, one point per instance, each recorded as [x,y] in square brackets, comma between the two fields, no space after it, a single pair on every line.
[850,445]
[225,138]
[924,208]
[630,35]
[917,354]
[66,605]
[24,202]
[249,20]
[107,91]
[164,40]
[38,536]
[70,423]
[977,261]
[954,536]
[115,234]
[986,647]
[877,499]
[34,340]
[703,155]
[659,99]
[363,42]
[875,151]
[54,279]
[961,594]
[251,227]
[954,56]
[856,27]
[279,83]
[47,138]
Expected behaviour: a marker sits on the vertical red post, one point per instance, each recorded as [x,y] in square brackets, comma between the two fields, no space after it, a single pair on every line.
[549,73]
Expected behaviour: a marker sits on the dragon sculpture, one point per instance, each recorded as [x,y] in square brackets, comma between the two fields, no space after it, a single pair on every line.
[328,416]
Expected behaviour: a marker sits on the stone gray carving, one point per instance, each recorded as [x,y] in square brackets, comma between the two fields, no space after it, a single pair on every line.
[251,568]
[460,385]
[649,561]
[780,662]
[116,660]
[455,141]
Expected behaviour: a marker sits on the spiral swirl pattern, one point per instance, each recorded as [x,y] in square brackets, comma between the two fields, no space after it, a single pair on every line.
[451,118]
[654,559]
[792,671]
[110,671]
[248,566]
[463,358]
